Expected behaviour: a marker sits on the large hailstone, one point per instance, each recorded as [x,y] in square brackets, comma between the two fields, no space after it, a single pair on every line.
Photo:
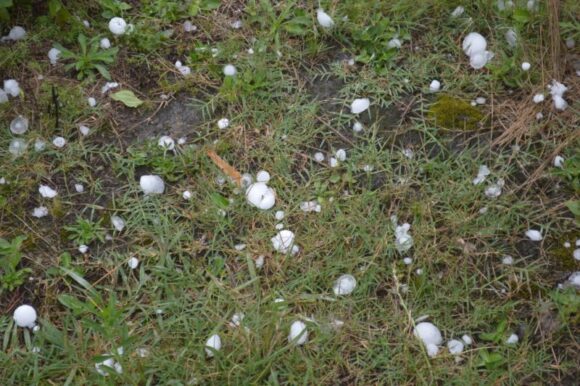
[534,235]
[118,223]
[19,125]
[261,196]
[324,19]
[473,43]
[213,343]
[47,192]
[430,335]
[403,240]
[455,346]
[283,242]
[344,285]
[359,105]
[17,33]
[12,87]
[25,316]
[54,55]
[118,26]
[298,333]
[152,184]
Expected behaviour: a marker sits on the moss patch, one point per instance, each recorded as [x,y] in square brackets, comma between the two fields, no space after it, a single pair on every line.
[454,113]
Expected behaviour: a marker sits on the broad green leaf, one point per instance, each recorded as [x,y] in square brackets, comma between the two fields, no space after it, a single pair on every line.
[128,98]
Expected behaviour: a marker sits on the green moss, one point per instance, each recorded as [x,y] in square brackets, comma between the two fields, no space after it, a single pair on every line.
[454,113]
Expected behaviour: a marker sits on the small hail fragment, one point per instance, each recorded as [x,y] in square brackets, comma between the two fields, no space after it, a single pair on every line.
[237,319]
[223,123]
[108,363]
[430,335]
[105,43]
[12,87]
[559,161]
[332,162]
[79,188]
[263,176]
[570,43]
[108,87]
[512,339]
[230,70]
[368,168]
[482,173]
[54,55]
[526,66]
[283,242]
[359,105]
[59,142]
[17,147]
[344,285]
[357,127]
[16,33]
[260,261]
[538,98]
[166,143]
[467,340]
[261,196]
[133,262]
[458,11]
[511,37]
[394,43]
[534,235]
[507,260]
[83,248]
[118,223]
[183,70]
[576,254]
[279,215]
[557,91]
[403,240]
[324,19]
[40,212]
[455,346]
[340,155]
[407,261]
[186,195]
[182,141]
[310,206]
[47,192]
[298,333]
[435,86]
[92,101]
[39,145]
[117,26]
[319,157]
[240,247]
[480,100]
[25,316]
[494,190]
[152,184]
[539,116]
[213,344]
[3,96]
[279,226]
[189,27]
[19,125]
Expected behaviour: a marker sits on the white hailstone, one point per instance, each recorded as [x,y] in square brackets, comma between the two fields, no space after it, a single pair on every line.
[340,155]
[84,130]
[559,161]
[494,190]
[357,127]
[279,226]
[12,87]
[184,70]
[480,100]
[534,235]
[237,319]
[576,254]
[230,70]
[318,157]
[526,66]
[467,340]
[435,85]
[279,215]
[117,26]
[559,102]
[240,247]
[110,363]
[474,43]
[182,141]
[578,242]
[47,192]
[507,260]
[479,59]
[35,349]
[17,33]
[408,153]
[17,147]
[310,206]
[133,262]
[532,5]
[236,24]
[260,261]
[118,223]
[25,316]
[368,168]
[430,335]
[557,91]
[458,11]
[298,333]
[407,261]
[39,145]
[394,43]
[570,43]
[455,346]
[109,86]
[186,195]
[213,343]
[40,212]
[324,19]
[574,280]
[188,26]
[403,240]
[473,103]
[223,123]
[333,162]
[512,339]
[511,37]
[538,98]
[359,105]
[142,352]
[54,55]
[567,244]
[86,23]
[59,142]
[2,181]
[92,101]
[152,184]
[166,142]
[250,51]
[105,43]
[350,62]
[19,125]
[83,248]
[283,242]
[3,96]
[344,285]
[263,176]
[539,116]
[261,196]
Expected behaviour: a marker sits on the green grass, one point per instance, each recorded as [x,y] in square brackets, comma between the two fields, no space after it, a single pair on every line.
[191,279]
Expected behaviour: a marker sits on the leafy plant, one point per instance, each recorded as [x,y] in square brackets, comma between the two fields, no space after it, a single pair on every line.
[85,231]
[568,304]
[91,57]
[10,257]
[112,8]
[202,5]
[58,12]
[372,41]
[127,97]
[490,360]
[4,6]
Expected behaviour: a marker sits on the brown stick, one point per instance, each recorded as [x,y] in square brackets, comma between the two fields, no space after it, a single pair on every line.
[225,167]
[555,43]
